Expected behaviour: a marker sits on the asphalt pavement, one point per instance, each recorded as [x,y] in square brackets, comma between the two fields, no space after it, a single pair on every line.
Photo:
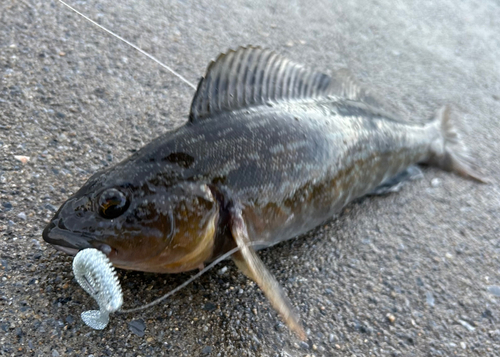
[414,273]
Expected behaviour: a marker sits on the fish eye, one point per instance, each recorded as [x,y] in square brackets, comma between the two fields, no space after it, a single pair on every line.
[112,203]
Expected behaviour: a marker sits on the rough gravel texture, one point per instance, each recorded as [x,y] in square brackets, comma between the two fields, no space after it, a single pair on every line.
[415,273]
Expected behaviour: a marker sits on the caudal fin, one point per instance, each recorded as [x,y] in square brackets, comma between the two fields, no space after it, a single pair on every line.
[453,156]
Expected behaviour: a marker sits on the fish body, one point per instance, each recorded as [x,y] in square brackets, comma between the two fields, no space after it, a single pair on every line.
[271,150]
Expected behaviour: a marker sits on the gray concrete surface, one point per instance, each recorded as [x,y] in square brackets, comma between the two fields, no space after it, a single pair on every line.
[415,273]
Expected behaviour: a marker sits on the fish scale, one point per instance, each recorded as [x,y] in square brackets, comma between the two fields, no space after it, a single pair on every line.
[272,149]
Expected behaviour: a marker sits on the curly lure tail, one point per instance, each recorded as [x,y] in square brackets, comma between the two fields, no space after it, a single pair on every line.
[95,274]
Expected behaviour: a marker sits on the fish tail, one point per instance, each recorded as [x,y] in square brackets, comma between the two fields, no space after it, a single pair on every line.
[451,154]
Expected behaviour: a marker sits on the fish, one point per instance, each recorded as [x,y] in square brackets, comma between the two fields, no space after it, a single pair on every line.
[271,150]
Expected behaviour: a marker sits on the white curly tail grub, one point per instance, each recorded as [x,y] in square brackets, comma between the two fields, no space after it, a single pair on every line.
[95,274]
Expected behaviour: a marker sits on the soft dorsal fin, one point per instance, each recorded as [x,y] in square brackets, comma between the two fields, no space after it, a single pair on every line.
[252,76]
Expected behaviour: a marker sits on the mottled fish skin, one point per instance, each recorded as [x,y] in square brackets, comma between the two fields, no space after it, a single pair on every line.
[292,167]
[289,163]
[271,150]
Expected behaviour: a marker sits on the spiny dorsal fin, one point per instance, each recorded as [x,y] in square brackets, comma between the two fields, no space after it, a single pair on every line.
[252,76]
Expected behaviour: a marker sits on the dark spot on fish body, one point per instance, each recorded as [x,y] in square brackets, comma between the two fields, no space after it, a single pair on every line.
[182,159]
[219,180]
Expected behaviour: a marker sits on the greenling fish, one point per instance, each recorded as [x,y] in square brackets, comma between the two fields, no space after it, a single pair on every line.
[271,150]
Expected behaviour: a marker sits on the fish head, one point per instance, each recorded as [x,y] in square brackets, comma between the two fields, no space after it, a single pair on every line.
[147,224]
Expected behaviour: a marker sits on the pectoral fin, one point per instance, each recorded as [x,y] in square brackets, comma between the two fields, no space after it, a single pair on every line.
[250,264]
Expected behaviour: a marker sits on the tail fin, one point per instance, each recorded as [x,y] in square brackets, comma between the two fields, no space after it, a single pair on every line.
[453,156]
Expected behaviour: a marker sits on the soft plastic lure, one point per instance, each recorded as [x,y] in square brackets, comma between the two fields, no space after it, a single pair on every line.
[272,149]
[95,274]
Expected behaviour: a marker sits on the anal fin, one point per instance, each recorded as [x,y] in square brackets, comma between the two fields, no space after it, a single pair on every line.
[250,264]
[395,183]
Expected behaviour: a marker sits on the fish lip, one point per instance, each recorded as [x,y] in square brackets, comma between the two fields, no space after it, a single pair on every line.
[67,250]
[64,240]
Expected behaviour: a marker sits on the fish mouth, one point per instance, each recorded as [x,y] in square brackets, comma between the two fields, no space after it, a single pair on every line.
[64,240]
[67,250]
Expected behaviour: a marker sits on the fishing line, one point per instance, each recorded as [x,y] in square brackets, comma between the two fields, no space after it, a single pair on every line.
[131,45]
[194,277]
[191,279]
[222,257]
